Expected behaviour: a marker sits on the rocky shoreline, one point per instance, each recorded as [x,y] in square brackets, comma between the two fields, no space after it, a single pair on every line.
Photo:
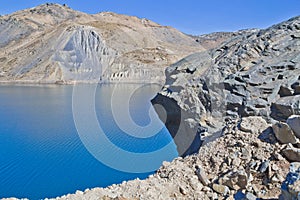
[248,162]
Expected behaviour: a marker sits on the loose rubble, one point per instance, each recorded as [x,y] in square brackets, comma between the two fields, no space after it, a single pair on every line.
[291,186]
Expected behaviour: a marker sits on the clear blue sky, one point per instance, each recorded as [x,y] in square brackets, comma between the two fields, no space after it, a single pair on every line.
[189,16]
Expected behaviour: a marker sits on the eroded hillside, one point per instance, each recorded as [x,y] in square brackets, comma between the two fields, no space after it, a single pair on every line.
[53,43]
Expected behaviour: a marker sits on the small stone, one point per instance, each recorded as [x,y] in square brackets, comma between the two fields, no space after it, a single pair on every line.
[202,176]
[275,179]
[163,175]
[236,162]
[211,195]
[275,167]
[252,164]
[206,189]
[221,189]
[264,166]
[284,133]
[256,188]
[280,178]
[285,91]
[79,192]
[250,196]
[182,191]
[215,196]
[246,155]
[165,163]
[278,156]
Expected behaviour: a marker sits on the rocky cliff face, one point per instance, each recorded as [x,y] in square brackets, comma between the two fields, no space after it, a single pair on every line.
[53,43]
[252,74]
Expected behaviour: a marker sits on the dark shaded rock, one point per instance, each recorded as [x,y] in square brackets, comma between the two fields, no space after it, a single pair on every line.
[284,133]
[285,91]
[234,102]
[259,103]
[268,136]
[285,107]
[184,132]
[296,88]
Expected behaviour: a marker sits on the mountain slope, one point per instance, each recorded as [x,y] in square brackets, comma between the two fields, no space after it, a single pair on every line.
[53,43]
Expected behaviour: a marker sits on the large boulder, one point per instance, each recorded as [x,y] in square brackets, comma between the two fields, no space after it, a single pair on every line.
[253,124]
[292,153]
[235,180]
[282,109]
[294,122]
[284,133]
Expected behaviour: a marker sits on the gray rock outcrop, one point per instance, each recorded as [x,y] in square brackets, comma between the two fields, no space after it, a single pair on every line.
[252,74]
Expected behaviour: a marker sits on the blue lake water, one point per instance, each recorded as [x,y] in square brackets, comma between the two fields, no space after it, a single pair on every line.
[42,153]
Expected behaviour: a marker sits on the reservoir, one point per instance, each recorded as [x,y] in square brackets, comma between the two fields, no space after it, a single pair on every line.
[50,144]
